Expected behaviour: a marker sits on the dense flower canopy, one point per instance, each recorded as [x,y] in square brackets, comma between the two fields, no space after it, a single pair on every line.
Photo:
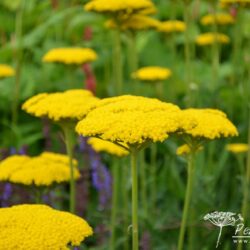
[37,227]
[210,124]
[237,148]
[126,6]
[71,104]
[6,71]
[135,22]
[152,74]
[105,146]
[219,18]
[211,38]
[70,55]
[229,3]
[43,170]
[171,26]
[131,120]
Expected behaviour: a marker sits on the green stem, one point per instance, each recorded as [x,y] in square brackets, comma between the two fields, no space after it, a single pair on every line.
[153,169]
[135,240]
[69,148]
[117,63]
[19,53]
[115,175]
[38,195]
[125,198]
[187,200]
[143,183]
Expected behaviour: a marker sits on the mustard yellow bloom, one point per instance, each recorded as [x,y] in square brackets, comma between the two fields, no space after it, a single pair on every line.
[105,146]
[110,6]
[219,18]
[237,148]
[211,38]
[72,104]
[6,71]
[135,22]
[229,3]
[39,227]
[171,26]
[210,124]
[131,120]
[70,55]
[43,170]
[148,11]
[152,74]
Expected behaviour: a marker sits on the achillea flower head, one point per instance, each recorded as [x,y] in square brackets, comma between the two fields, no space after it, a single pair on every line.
[72,104]
[135,22]
[210,124]
[219,18]
[131,120]
[122,6]
[43,170]
[211,38]
[152,74]
[171,26]
[40,227]
[6,71]
[229,3]
[105,146]
[237,148]
[70,55]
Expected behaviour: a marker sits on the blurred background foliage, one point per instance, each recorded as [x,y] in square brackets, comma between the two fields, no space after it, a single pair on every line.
[48,24]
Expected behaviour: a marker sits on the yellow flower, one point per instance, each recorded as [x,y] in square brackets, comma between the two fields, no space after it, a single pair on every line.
[219,18]
[39,227]
[148,11]
[152,74]
[105,146]
[229,3]
[110,6]
[70,55]
[72,104]
[43,170]
[185,149]
[237,148]
[131,120]
[6,71]
[171,26]
[135,22]
[211,38]
[210,124]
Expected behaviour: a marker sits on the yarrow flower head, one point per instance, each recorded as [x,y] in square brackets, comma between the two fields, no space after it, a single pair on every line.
[70,55]
[229,3]
[211,38]
[152,74]
[6,71]
[105,146]
[219,18]
[185,149]
[123,6]
[135,22]
[210,124]
[72,104]
[131,120]
[43,170]
[237,148]
[171,26]
[40,227]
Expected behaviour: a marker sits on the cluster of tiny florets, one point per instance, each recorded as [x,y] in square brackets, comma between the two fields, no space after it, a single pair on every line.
[171,26]
[40,227]
[43,170]
[6,71]
[219,18]
[211,38]
[71,104]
